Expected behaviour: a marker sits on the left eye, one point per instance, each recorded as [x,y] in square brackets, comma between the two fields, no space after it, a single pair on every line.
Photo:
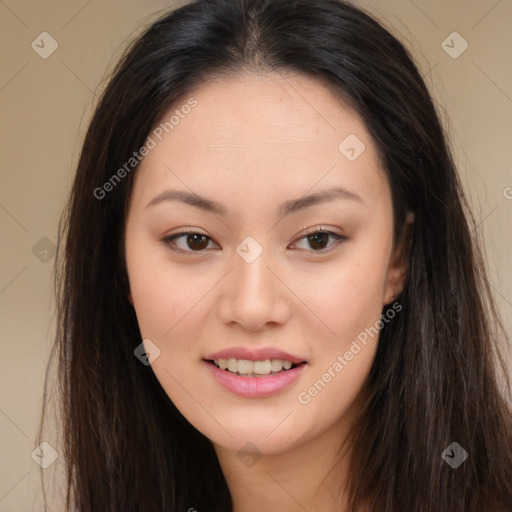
[319,237]
[197,242]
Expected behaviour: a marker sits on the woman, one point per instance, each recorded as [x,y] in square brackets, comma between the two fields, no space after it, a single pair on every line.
[270,297]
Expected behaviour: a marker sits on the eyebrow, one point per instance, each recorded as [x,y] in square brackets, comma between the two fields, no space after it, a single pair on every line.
[286,208]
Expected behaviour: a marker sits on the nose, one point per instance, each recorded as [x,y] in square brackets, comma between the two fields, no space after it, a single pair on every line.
[254,295]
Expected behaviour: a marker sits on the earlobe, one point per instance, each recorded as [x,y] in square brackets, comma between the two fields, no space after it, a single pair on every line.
[399,266]
[130,299]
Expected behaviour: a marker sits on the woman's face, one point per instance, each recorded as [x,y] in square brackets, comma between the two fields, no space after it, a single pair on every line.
[255,161]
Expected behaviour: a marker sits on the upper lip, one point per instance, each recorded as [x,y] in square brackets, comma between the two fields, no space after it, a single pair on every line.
[255,354]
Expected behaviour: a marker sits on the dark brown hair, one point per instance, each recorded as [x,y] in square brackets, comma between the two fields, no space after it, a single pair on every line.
[436,375]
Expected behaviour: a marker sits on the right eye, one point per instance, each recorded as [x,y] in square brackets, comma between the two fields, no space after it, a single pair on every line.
[194,241]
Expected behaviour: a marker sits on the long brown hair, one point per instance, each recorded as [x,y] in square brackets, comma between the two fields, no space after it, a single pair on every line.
[438,373]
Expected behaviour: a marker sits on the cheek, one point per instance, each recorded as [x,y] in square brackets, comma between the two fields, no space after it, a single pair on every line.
[350,306]
[352,313]
[161,295]
[348,299]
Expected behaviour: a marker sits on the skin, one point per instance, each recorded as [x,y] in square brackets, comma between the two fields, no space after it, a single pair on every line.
[252,142]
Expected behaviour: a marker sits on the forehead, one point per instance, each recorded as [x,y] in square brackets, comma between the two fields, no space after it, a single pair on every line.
[257,133]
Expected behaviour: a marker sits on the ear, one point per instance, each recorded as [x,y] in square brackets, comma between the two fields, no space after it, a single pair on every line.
[130,298]
[399,264]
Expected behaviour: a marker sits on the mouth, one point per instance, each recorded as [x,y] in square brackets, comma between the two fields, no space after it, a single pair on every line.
[255,378]
[259,369]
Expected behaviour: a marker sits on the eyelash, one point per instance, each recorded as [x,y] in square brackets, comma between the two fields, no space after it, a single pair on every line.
[168,241]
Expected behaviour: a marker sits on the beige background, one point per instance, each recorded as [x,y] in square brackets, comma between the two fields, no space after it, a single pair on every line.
[46,103]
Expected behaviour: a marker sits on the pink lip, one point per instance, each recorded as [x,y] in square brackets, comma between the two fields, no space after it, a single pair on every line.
[254,354]
[255,387]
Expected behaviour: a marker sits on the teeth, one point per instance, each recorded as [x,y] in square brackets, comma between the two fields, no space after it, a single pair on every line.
[276,365]
[249,368]
[245,366]
[262,367]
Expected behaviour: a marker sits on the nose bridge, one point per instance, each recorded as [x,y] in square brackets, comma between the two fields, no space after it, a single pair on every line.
[253,278]
[254,295]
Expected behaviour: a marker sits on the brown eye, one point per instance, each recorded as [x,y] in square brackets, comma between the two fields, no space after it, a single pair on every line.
[318,240]
[194,241]
[197,241]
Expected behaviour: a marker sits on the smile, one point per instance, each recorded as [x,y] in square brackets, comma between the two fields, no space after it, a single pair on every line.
[255,379]
[248,368]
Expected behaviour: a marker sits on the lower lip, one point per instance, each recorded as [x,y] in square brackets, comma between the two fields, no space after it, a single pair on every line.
[255,387]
